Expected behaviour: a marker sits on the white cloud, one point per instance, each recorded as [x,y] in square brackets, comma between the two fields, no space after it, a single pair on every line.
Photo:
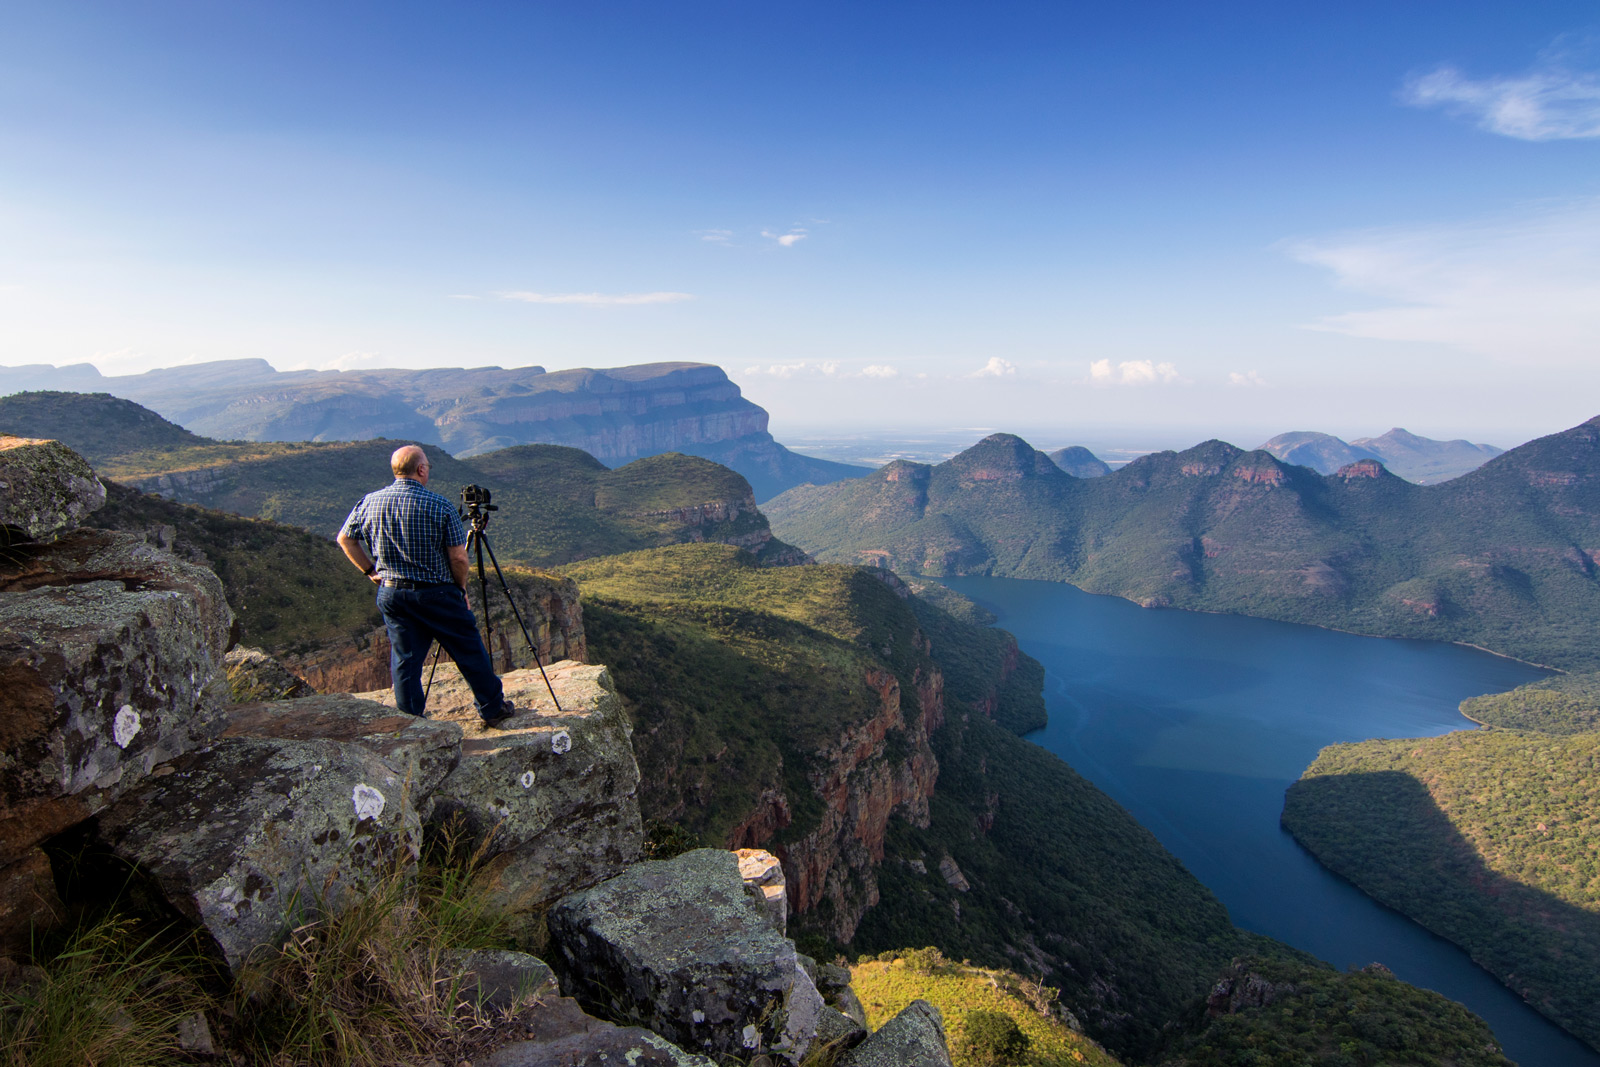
[1245,378]
[1133,372]
[1524,286]
[787,240]
[995,368]
[347,361]
[720,237]
[1549,103]
[802,369]
[595,299]
[879,370]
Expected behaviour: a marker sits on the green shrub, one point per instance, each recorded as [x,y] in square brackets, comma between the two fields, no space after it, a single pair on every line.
[993,1039]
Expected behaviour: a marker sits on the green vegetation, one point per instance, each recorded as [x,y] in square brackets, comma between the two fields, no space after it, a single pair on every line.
[1280,1013]
[290,590]
[1489,838]
[1496,558]
[98,426]
[992,1017]
[1560,704]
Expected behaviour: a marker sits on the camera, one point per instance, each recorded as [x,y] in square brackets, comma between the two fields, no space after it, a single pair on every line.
[476,497]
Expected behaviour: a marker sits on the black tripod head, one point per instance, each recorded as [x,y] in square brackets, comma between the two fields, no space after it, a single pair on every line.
[475,498]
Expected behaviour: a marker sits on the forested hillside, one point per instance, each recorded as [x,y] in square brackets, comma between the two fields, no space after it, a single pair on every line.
[1503,557]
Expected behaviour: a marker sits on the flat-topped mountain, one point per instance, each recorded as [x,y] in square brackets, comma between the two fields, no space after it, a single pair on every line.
[616,415]
[1417,459]
[1504,557]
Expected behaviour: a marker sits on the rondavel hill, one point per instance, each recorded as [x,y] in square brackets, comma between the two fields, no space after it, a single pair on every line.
[204,857]
[615,415]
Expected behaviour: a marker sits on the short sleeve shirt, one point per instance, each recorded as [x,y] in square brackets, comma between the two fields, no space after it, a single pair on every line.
[406,529]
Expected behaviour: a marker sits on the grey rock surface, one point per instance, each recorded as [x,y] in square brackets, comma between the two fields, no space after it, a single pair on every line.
[422,750]
[253,675]
[250,835]
[45,487]
[558,790]
[497,979]
[836,1028]
[110,664]
[567,1037]
[683,945]
[914,1038]
[847,1003]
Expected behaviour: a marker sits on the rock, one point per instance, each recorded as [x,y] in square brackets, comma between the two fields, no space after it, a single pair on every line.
[686,947]
[251,833]
[28,900]
[763,873]
[557,790]
[255,675]
[914,1038]
[194,1034]
[830,978]
[567,1037]
[497,979]
[45,487]
[847,1003]
[839,1030]
[951,873]
[422,750]
[110,657]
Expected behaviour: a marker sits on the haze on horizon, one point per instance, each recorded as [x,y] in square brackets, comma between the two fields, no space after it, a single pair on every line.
[1215,222]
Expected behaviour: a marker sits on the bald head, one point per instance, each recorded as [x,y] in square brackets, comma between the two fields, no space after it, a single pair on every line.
[409,461]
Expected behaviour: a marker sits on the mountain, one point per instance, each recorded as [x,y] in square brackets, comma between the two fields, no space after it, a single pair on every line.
[1504,557]
[1079,462]
[1424,460]
[1416,459]
[616,415]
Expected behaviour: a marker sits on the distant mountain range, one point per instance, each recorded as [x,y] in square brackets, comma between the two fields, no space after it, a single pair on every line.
[1079,462]
[616,415]
[1416,459]
[1507,556]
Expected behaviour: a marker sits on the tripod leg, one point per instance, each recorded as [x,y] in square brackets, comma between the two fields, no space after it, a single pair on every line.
[477,537]
[483,543]
[438,650]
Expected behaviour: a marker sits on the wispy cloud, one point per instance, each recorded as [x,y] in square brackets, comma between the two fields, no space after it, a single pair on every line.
[1523,286]
[787,240]
[1133,372]
[1552,102]
[1245,378]
[802,369]
[879,370]
[345,361]
[720,237]
[995,368]
[595,299]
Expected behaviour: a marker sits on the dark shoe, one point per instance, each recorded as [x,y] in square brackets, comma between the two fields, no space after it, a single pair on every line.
[506,711]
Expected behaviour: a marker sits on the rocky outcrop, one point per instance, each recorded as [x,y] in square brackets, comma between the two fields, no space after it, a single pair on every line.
[556,792]
[763,874]
[110,665]
[549,605]
[255,675]
[914,1038]
[685,945]
[246,835]
[45,488]
[566,1036]
[861,790]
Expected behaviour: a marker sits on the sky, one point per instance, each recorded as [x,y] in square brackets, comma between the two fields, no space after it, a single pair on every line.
[1166,219]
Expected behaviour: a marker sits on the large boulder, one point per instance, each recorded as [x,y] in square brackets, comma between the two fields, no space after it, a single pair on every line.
[566,1036]
[251,835]
[683,945]
[45,488]
[110,657]
[556,791]
[254,674]
[423,751]
[763,873]
[914,1038]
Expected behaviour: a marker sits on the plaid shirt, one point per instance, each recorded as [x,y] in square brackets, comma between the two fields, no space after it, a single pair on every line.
[406,528]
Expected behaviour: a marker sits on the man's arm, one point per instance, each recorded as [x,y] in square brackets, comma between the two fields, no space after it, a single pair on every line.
[356,552]
[457,556]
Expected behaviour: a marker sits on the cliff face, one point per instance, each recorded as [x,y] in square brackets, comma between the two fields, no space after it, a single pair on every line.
[861,788]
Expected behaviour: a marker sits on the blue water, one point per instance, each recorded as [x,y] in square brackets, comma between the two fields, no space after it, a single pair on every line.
[1198,723]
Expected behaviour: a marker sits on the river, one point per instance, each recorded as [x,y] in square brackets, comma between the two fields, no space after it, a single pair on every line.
[1197,724]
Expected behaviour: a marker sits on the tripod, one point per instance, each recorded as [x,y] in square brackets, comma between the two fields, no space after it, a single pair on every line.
[477,517]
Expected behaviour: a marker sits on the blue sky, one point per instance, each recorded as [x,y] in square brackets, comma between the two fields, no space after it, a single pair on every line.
[1205,219]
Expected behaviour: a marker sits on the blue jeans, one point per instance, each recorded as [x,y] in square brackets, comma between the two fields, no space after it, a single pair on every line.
[416,618]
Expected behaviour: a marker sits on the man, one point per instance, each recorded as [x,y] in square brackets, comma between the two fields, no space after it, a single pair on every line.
[410,542]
